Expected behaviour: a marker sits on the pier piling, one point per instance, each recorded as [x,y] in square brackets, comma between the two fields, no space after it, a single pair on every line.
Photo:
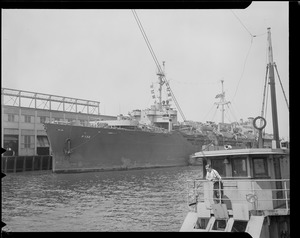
[25,163]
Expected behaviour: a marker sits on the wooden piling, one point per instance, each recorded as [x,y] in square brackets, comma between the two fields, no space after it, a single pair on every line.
[5,166]
[48,165]
[24,163]
[32,168]
[15,164]
[41,163]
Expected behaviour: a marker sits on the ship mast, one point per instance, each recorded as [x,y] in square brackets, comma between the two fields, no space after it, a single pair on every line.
[273,91]
[160,74]
[222,101]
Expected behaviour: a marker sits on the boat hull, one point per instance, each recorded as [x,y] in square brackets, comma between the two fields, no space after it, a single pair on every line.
[82,149]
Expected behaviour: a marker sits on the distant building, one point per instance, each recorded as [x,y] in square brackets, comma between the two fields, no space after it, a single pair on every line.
[23,114]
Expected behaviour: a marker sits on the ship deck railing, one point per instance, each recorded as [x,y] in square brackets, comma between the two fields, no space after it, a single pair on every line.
[100,124]
[261,196]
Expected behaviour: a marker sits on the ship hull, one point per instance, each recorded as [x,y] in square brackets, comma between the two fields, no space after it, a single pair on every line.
[83,149]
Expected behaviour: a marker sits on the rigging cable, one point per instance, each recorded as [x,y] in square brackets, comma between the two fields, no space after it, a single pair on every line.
[228,116]
[213,105]
[264,93]
[282,87]
[243,69]
[232,113]
[242,24]
[264,130]
[215,113]
[156,62]
[252,36]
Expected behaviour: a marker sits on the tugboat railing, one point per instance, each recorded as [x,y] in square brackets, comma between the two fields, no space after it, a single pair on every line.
[251,191]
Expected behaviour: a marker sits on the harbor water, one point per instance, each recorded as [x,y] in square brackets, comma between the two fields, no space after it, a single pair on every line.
[131,200]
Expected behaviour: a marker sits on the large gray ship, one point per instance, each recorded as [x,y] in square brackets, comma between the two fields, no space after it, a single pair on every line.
[143,139]
[146,138]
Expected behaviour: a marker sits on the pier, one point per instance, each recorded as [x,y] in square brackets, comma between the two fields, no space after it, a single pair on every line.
[14,164]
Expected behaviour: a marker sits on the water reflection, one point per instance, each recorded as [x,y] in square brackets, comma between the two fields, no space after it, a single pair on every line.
[137,200]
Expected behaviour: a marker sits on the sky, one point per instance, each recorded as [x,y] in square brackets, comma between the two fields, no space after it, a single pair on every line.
[100,55]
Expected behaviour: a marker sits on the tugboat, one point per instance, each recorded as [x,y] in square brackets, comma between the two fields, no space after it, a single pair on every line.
[255,192]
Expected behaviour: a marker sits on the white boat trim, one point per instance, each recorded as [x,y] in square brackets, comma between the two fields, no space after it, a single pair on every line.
[252,151]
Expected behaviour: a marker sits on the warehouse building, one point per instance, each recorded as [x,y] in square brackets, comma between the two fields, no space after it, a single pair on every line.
[23,114]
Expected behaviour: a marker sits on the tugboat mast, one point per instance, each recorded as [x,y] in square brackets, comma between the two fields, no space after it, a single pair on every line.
[273,91]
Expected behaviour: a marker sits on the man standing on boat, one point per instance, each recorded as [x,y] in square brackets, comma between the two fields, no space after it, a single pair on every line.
[214,176]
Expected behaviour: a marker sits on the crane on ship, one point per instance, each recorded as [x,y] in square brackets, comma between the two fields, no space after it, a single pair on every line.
[161,74]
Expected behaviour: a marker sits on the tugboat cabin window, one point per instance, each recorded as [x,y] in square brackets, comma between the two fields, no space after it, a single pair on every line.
[239,226]
[219,225]
[260,167]
[239,167]
[201,223]
[218,164]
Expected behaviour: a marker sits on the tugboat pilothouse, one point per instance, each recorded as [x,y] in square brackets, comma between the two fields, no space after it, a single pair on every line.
[253,194]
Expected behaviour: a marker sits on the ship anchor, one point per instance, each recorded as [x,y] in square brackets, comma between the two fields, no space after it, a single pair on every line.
[67,149]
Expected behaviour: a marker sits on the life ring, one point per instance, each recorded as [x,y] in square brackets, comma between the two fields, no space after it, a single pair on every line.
[264,124]
[252,198]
